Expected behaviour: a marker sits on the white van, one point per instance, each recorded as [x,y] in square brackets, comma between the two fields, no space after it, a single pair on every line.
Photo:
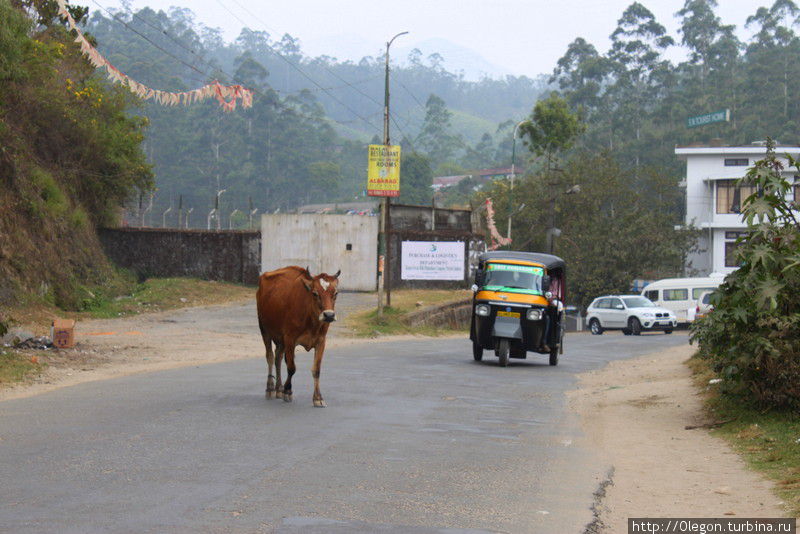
[680,294]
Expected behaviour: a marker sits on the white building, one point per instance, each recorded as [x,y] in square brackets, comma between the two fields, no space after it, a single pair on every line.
[713,201]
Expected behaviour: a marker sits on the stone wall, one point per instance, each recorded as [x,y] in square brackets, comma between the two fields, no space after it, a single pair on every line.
[229,255]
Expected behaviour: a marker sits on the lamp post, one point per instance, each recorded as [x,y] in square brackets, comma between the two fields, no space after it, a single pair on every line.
[513,175]
[383,246]
[554,232]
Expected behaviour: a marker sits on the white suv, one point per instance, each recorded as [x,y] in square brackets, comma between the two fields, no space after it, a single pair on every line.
[630,313]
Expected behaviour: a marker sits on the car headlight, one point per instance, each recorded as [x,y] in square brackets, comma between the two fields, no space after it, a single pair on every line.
[534,314]
[482,310]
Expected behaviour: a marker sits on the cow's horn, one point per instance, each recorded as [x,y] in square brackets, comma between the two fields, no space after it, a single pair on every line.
[337,273]
[308,272]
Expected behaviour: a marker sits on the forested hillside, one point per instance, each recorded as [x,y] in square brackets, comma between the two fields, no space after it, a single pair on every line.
[70,157]
[636,102]
[304,139]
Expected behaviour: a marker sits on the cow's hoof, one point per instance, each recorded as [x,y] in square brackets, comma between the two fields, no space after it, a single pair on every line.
[287,397]
[319,403]
[270,394]
[279,394]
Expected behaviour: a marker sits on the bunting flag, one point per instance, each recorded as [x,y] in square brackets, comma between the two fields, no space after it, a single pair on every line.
[497,239]
[226,95]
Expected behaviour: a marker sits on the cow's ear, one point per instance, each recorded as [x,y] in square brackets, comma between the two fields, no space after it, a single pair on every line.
[308,273]
[308,283]
[337,273]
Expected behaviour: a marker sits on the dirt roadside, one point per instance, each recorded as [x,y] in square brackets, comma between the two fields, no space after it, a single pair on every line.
[635,413]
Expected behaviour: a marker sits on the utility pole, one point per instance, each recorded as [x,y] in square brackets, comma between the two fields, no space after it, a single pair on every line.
[513,175]
[383,244]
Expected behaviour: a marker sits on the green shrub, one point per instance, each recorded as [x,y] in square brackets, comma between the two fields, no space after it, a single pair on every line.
[752,338]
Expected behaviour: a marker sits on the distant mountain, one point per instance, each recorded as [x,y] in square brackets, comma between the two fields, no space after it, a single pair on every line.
[343,47]
[456,57]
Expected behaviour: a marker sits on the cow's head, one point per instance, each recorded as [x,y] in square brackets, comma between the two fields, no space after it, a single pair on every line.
[323,288]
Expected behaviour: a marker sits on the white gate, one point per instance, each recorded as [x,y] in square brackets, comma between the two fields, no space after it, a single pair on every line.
[323,243]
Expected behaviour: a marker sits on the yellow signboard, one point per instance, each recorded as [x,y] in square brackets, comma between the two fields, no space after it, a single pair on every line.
[383,171]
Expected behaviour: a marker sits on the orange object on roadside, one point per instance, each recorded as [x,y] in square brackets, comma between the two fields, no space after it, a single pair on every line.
[64,333]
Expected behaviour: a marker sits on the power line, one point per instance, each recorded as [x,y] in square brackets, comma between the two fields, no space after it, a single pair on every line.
[149,40]
[301,71]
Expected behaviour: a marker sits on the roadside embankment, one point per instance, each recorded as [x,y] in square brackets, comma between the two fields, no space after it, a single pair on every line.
[636,413]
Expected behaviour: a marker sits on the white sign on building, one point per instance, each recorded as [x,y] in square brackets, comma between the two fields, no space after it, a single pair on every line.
[432,260]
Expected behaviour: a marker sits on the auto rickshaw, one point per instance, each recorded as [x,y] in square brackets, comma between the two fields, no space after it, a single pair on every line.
[517,305]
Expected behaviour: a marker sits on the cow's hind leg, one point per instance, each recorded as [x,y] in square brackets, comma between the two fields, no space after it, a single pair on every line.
[290,369]
[270,393]
[319,402]
[279,352]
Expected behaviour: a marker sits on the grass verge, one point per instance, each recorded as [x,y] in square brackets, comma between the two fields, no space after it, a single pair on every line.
[768,441]
[404,301]
[16,366]
[155,294]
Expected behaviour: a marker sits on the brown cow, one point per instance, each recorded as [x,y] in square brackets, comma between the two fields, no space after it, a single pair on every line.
[294,308]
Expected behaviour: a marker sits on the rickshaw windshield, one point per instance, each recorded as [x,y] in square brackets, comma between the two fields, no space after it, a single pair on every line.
[514,278]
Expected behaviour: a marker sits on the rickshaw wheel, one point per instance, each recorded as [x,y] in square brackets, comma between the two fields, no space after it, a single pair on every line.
[502,352]
[554,357]
[477,351]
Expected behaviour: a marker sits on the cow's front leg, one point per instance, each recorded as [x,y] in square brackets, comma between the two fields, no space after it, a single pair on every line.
[290,369]
[319,402]
[279,350]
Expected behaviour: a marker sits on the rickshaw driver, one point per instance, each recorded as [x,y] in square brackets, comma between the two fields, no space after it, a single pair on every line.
[554,309]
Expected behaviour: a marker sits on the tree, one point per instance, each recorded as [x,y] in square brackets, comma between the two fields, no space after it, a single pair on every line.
[416,179]
[580,73]
[703,33]
[552,127]
[752,338]
[435,138]
[481,155]
[641,72]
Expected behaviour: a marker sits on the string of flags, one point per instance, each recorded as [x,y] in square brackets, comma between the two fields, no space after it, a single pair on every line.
[226,95]
[497,239]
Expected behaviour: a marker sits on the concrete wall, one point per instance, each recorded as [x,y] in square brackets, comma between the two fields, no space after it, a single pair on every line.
[232,256]
[323,243]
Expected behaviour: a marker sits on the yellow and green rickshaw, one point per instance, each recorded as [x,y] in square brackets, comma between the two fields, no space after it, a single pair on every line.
[518,305]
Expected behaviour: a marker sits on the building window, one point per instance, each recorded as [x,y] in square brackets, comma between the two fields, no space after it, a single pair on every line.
[797,196]
[731,246]
[737,162]
[730,197]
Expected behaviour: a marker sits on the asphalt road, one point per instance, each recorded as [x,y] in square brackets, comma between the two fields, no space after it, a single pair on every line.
[417,437]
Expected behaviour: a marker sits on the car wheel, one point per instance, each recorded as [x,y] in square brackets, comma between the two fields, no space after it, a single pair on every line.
[502,352]
[594,326]
[477,351]
[634,326]
[667,331]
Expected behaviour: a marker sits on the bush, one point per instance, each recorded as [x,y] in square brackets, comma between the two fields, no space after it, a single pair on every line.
[752,338]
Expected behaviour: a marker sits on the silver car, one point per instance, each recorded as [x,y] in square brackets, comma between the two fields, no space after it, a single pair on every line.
[633,314]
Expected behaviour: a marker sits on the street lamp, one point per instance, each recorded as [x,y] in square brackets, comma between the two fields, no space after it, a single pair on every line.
[554,232]
[513,175]
[383,246]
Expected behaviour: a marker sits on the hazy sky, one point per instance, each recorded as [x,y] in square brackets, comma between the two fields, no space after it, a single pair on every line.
[522,37]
